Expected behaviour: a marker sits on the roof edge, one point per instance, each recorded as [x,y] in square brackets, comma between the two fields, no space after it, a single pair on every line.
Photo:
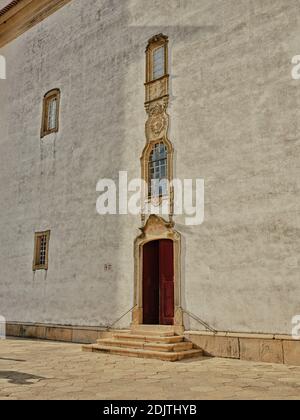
[18,16]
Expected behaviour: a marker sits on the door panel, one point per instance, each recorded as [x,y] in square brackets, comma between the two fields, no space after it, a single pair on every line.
[166,276]
[151,283]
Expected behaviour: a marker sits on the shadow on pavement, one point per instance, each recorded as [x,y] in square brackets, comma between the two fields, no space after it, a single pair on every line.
[19,378]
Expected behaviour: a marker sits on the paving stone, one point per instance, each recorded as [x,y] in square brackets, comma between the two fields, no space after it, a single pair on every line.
[69,374]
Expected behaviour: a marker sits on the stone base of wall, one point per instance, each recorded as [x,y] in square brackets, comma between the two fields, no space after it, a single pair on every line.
[266,348]
[82,335]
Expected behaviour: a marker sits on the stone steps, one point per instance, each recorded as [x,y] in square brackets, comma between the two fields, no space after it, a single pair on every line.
[157,329]
[182,346]
[153,333]
[152,342]
[150,338]
[148,354]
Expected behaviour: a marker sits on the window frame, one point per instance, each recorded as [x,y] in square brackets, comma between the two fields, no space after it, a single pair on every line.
[157,42]
[49,96]
[151,161]
[37,251]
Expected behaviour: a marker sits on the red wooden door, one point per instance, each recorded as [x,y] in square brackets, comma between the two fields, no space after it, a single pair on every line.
[166,282]
[151,283]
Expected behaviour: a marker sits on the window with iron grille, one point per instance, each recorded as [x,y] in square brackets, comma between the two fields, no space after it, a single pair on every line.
[41,251]
[158,171]
[50,122]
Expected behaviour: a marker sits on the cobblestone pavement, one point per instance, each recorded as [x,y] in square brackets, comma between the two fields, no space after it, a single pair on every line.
[48,370]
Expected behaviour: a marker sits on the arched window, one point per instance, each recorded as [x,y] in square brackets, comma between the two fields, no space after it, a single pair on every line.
[50,122]
[158,171]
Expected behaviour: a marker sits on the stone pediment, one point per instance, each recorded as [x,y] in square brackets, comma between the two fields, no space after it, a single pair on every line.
[157,227]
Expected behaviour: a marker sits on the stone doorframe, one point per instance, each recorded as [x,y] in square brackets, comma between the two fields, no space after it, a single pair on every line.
[156,228]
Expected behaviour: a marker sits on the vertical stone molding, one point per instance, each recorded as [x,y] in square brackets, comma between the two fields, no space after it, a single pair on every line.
[156,105]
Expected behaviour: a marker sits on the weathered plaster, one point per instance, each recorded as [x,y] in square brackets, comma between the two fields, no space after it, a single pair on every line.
[234,122]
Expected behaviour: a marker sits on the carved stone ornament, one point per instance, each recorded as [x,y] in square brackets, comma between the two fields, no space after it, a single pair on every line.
[158,227]
[157,109]
[155,39]
[158,122]
[157,89]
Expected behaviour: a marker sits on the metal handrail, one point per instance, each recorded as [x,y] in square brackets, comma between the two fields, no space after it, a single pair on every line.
[121,317]
[196,318]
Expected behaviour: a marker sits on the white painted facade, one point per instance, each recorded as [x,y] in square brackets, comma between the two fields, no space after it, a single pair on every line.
[235,113]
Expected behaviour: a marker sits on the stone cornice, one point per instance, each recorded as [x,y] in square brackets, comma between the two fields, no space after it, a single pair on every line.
[20,15]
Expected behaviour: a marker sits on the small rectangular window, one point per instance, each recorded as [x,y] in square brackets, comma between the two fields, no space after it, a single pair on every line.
[158,63]
[50,121]
[41,251]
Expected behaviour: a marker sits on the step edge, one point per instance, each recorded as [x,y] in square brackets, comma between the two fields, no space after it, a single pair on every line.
[167,347]
[139,336]
[142,351]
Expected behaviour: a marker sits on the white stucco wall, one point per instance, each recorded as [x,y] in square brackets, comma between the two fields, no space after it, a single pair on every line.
[3,3]
[235,123]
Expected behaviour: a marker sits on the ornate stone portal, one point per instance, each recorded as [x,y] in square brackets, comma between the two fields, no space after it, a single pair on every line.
[157,129]
[157,228]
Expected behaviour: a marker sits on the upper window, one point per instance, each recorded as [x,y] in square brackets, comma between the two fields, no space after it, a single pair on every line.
[158,171]
[50,122]
[41,250]
[157,58]
[158,63]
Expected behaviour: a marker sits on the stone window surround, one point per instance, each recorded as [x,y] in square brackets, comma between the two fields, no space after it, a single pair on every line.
[48,98]
[156,228]
[37,251]
[154,44]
